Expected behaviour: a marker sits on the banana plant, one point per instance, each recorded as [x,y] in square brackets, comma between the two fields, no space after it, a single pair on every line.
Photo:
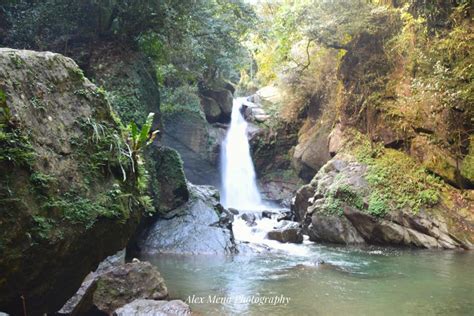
[139,139]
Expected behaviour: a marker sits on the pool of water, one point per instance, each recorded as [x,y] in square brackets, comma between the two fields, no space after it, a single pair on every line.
[352,281]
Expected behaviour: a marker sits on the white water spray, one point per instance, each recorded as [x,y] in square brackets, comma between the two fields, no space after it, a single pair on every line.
[238,174]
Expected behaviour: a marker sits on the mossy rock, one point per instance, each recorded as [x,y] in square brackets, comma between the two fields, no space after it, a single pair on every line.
[64,203]
[467,165]
[168,186]
[437,160]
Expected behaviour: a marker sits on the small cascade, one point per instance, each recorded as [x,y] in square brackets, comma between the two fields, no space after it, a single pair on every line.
[239,186]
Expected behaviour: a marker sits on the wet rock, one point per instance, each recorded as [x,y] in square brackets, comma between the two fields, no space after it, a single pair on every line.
[226,217]
[190,134]
[233,211]
[269,214]
[188,230]
[286,216]
[249,218]
[333,229]
[154,308]
[287,232]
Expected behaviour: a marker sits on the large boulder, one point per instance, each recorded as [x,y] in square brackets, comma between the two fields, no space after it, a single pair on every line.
[81,302]
[62,187]
[114,286]
[211,109]
[125,283]
[196,227]
[300,202]
[154,308]
[338,208]
[223,98]
[312,151]
[286,232]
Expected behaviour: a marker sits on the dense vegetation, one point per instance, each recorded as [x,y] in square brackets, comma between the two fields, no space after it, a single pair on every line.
[399,72]
[189,42]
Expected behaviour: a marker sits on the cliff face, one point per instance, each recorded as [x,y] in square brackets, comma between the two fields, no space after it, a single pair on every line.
[395,98]
[68,197]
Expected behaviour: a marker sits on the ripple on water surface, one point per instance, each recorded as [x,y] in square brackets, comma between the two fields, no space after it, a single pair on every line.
[372,281]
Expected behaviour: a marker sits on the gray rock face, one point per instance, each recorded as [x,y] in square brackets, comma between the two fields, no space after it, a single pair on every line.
[154,308]
[193,228]
[333,229]
[189,134]
[333,208]
[312,152]
[286,232]
[335,140]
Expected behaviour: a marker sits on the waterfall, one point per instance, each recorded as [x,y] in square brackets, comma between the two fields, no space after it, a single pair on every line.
[239,187]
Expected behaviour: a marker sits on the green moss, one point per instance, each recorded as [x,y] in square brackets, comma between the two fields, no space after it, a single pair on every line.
[77,209]
[378,204]
[340,196]
[16,60]
[15,148]
[128,105]
[41,181]
[76,74]
[167,181]
[467,168]
[396,178]
[43,227]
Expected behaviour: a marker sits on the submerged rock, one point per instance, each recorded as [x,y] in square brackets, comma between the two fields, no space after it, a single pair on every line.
[190,229]
[249,218]
[154,308]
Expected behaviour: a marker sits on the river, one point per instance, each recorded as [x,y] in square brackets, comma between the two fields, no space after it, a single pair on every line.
[309,278]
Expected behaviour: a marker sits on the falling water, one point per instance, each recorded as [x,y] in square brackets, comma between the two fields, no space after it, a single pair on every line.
[238,174]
